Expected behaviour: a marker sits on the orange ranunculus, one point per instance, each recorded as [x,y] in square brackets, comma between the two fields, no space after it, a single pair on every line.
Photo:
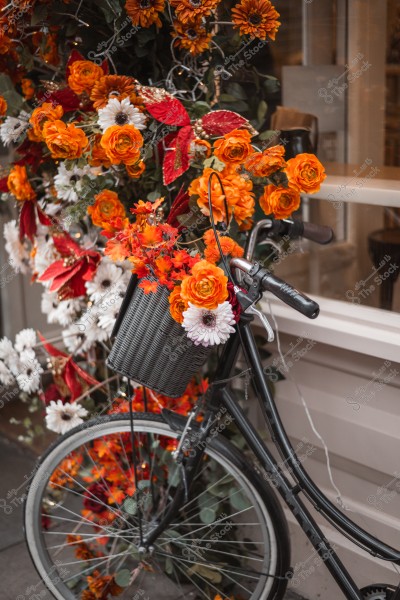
[122,143]
[305,173]
[28,89]
[64,141]
[263,164]
[83,74]
[200,149]
[136,170]
[177,304]
[228,247]
[3,106]
[234,147]
[98,157]
[280,201]
[199,187]
[43,113]
[106,208]
[240,197]
[206,287]
[19,185]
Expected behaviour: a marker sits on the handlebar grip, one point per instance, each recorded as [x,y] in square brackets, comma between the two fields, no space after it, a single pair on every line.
[290,296]
[321,234]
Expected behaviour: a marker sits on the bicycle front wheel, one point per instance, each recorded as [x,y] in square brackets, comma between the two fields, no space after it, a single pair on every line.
[84,518]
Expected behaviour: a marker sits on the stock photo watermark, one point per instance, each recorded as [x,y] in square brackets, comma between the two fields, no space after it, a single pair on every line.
[303,450]
[297,350]
[234,62]
[365,287]
[365,393]
[337,86]
[385,494]
[352,187]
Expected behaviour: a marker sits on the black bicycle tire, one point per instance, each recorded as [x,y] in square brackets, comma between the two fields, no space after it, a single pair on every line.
[237,457]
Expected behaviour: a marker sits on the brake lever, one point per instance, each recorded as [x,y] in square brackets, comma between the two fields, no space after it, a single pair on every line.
[252,309]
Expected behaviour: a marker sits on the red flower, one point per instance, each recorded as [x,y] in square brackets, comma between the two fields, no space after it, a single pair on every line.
[234,302]
[70,273]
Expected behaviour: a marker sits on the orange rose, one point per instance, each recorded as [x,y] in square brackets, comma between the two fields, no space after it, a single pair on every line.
[122,143]
[199,187]
[228,247]
[64,141]
[136,170]
[305,173]
[3,106]
[43,113]
[98,157]
[28,88]
[177,304]
[206,287]
[83,74]
[234,147]
[263,164]
[19,185]
[280,201]
[106,208]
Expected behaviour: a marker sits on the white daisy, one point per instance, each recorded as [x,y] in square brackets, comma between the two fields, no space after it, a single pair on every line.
[107,276]
[30,370]
[73,337]
[6,377]
[121,113]
[25,339]
[63,417]
[209,327]
[93,332]
[108,316]
[18,253]
[7,353]
[63,312]
[45,252]
[68,182]
[12,128]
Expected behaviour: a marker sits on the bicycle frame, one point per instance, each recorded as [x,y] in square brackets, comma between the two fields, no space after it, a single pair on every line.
[289,492]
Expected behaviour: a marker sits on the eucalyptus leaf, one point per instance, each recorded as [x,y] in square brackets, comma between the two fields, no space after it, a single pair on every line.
[212,574]
[236,90]
[130,506]
[174,475]
[123,577]
[169,566]
[238,500]
[207,515]
[262,111]
[143,484]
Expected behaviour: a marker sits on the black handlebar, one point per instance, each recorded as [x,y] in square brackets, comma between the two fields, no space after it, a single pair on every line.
[321,234]
[290,296]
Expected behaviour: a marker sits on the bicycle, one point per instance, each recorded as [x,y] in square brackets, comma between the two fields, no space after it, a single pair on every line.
[201,520]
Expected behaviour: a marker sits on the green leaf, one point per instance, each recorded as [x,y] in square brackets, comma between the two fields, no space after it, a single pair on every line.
[153,195]
[130,506]
[271,85]
[13,99]
[144,483]
[228,98]
[169,566]
[174,475]
[214,163]
[238,500]
[122,578]
[111,9]
[207,515]
[236,90]
[262,111]
[267,135]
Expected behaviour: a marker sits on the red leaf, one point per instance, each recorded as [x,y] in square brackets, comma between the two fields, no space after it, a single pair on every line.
[66,246]
[83,375]
[27,220]
[66,97]
[163,106]
[43,218]
[50,349]
[3,185]
[176,160]
[148,286]
[220,122]
[72,381]
[105,67]
[179,207]
[63,277]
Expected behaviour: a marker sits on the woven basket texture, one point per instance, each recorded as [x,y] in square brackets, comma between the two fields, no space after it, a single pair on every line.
[153,349]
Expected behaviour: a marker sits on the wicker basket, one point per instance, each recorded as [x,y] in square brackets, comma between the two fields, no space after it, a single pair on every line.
[150,347]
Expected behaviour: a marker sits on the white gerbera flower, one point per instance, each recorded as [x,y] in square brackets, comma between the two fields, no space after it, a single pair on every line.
[45,252]
[25,339]
[6,377]
[108,317]
[63,417]
[8,353]
[68,182]
[209,327]
[73,338]
[18,253]
[122,112]
[30,369]
[63,312]
[12,128]
[93,332]
[107,276]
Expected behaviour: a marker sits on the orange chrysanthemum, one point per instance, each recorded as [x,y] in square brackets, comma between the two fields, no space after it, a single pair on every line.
[144,13]
[98,584]
[199,187]
[64,141]
[234,147]
[113,86]
[188,10]
[98,157]
[279,201]
[83,74]
[257,18]
[136,170]
[177,304]
[206,287]
[42,114]
[18,184]
[28,89]
[305,173]
[122,143]
[106,208]
[191,36]
[228,247]
[263,164]
[3,106]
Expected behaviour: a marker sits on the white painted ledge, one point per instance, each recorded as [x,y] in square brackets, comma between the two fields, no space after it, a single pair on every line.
[367,330]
